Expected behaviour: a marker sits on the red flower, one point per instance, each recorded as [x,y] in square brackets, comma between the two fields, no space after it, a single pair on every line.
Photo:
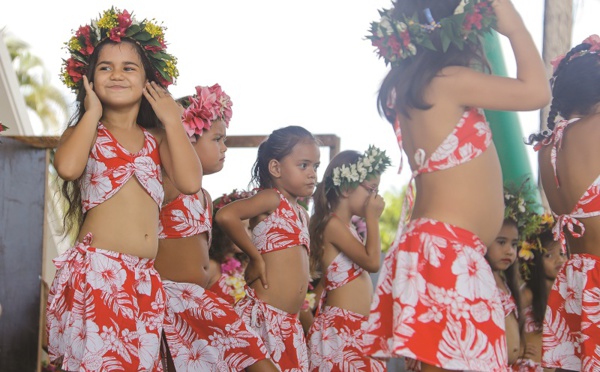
[394,44]
[153,48]
[124,20]
[86,49]
[594,40]
[405,35]
[473,19]
[223,103]
[75,69]
[116,34]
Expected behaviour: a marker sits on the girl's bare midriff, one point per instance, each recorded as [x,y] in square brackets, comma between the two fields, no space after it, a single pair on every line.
[184,260]
[288,277]
[346,296]
[468,196]
[125,223]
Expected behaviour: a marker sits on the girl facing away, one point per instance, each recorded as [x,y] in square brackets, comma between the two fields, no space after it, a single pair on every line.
[433,96]
[202,330]
[227,261]
[569,165]
[349,188]
[278,270]
[106,303]
[541,259]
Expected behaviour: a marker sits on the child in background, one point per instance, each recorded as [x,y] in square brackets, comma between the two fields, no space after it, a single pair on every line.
[106,303]
[202,330]
[227,261]
[433,96]
[349,189]
[278,271]
[541,258]
[569,163]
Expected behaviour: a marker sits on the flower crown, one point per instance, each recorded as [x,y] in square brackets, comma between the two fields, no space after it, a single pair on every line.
[532,243]
[208,104]
[397,40]
[116,25]
[348,176]
[593,40]
[519,208]
[225,199]
[3,127]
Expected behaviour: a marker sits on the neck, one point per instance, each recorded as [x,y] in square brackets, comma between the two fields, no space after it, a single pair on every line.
[343,214]
[549,283]
[120,118]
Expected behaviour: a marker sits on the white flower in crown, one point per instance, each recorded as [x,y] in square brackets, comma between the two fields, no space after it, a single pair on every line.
[460,9]
[371,164]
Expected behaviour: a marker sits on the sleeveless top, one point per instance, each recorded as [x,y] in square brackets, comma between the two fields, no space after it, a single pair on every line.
[588,204]
[530,325]
[341,270]
[185,216]
[508,303]
[284,228]
[110,166]
[470,138]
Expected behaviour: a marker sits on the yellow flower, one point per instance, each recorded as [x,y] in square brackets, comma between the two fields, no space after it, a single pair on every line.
[74,44]
[526,252]
[171,68]
[547,219]
[66,78]
[108,20]
[154,30]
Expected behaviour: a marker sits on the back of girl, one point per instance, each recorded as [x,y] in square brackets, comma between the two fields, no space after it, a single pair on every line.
[344,260]
[105,304]
[570,168]
[278,270]
[433,96]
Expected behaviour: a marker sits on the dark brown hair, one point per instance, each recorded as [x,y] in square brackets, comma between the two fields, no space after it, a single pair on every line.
[410,78]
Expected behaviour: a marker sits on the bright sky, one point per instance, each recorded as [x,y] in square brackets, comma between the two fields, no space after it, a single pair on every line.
[283,63]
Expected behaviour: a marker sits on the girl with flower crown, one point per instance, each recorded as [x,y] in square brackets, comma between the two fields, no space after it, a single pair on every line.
[344,259]
[227,261]
[106,303]
[569,165]
[202,330]
[433,96]
[541,259]
[278,271]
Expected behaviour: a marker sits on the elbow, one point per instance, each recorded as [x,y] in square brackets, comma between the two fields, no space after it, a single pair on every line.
[190,188]
[373,266]
[537,98]
[66,172]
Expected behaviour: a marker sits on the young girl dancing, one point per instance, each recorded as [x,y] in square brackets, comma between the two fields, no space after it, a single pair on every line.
[569,166]
[202,330]
[278,271]
[349,188]
[227,261]
[436,300]
[106,304]
[541,258]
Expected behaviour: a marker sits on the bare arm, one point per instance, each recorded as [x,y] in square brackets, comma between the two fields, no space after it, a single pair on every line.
[177,155]
[76,142]
[230,219]
[530,90]
[367,256]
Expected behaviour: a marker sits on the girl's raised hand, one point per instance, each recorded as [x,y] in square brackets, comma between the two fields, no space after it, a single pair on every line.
[257,270]
[374,205]
[508,19]
[91,102]
[165,107]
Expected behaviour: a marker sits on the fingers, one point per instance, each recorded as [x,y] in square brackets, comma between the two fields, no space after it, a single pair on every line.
[87,85]
[263,279]
[155,91]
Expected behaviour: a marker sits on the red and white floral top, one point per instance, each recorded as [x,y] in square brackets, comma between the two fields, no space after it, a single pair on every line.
[110,166]
[185,216]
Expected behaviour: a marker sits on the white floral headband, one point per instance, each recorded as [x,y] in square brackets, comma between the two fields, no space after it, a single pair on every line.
[348,176]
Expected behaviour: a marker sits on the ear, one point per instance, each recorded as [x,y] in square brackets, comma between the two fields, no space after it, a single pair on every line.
[346,193]
[274,168]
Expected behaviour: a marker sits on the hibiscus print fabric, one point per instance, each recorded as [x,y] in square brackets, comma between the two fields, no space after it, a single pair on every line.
[281,332]
[204,333]
[105,311]
[335,342]
[110,166]
[185,216]
[571,338]
[284,228]
[437,302]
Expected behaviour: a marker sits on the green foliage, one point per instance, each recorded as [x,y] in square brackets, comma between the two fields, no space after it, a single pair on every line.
[388,223]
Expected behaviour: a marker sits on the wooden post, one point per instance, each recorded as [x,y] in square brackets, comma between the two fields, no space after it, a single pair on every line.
[23,179]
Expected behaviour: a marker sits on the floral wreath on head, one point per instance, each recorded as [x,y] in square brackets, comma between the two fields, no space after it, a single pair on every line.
[202,108]
[3,127]
[593,40]
[348,176]
[116,25]
[532,243]
[397,40]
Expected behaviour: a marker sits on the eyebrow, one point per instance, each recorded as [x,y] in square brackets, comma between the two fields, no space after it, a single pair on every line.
[111,63]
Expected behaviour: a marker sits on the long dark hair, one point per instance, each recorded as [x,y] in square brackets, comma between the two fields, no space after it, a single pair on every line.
[575,87]
[410,79]
[146,118]
[537,280]
[277,146]
[325,200]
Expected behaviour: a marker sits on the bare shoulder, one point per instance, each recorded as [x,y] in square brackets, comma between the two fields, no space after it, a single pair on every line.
[158,133]
[526,297]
